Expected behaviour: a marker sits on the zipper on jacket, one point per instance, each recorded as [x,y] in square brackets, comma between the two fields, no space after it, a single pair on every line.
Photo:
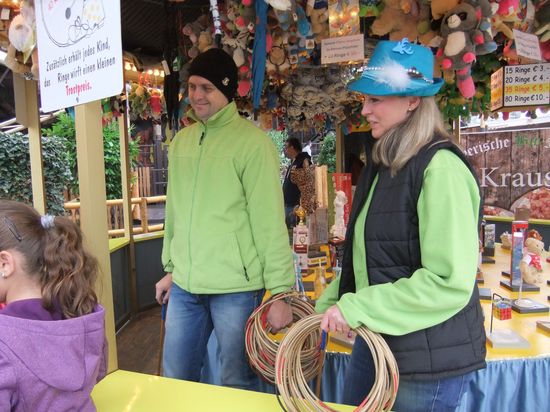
[246,275]
[193,205]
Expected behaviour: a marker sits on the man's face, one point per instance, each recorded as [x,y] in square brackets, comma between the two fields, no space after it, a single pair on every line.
[205,98]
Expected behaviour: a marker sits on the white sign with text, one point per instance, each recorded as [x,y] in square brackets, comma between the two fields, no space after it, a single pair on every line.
[343,49]
[79,51]
[527,45]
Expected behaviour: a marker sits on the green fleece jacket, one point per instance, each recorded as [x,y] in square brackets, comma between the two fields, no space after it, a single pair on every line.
[224,224]
[447,214]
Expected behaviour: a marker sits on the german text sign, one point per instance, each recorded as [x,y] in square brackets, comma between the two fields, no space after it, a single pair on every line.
[527,85]
[496,90]
[520,86]
[343,49]
[79,51]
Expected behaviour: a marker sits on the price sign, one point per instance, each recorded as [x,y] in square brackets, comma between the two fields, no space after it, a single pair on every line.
[520,86]
[527,85]
[497,97]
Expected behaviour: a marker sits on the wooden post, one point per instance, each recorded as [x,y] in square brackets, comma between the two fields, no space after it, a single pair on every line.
[126,175]
[456,130]
[93,213]
[28,114]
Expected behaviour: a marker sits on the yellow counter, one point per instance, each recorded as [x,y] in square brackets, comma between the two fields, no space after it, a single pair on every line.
[136,392]
[524,324]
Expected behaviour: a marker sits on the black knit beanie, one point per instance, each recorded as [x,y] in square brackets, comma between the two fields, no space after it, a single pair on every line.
[219,68]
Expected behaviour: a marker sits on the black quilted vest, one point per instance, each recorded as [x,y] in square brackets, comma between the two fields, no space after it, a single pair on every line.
[451,348]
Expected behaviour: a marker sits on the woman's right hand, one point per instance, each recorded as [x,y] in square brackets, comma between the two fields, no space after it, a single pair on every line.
[162,289]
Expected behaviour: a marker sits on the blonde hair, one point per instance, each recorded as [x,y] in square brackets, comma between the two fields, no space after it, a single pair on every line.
[397,146]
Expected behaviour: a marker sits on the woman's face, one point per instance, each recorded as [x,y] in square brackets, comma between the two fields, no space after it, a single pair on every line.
[385,112]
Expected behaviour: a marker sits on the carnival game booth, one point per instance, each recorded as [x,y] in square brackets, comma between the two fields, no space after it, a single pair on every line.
[294,60]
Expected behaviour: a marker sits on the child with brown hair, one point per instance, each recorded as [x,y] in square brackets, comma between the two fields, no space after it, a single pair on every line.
[52,338]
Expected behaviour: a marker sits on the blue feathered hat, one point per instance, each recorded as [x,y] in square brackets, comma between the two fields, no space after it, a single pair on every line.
[398,69]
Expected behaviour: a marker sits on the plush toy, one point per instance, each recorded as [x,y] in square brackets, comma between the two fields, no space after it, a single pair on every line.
[542,28]
[205,41]
[395,22]
[139,98]
[530,265]
[487,10]
[4,41]
[506,13]
[460,36]
[193,31]
[506,240]
[369,8]
[277,63]
[22,38]
[441,7]
[542,17]
[426,35]
[156,104]
[319,23]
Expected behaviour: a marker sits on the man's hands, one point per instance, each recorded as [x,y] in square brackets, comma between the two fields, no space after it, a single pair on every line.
[163,286]
[333,321]
[279,315]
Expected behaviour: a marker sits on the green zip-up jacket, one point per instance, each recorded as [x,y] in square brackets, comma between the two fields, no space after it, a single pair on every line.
[224,223]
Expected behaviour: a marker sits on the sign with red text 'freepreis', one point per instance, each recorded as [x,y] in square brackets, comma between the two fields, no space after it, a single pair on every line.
[79,51]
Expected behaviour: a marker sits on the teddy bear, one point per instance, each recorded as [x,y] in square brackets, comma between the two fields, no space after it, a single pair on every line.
[193,31]
[205,41]
[530,265]
[426,35]
[22,38]
[460,36]
[441,7]
[506,240]
[319,23]
[277,61]
[395,22]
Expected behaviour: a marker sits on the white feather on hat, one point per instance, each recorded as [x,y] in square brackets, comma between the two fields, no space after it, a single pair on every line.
[393,74]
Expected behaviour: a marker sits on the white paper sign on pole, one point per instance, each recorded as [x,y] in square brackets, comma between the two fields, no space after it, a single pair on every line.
[343,49]
[79,51]
[527,45]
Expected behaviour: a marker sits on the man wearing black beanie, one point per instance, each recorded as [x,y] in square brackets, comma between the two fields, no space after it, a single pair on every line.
[225,239]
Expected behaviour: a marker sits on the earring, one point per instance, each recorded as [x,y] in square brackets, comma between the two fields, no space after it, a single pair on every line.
[2,275]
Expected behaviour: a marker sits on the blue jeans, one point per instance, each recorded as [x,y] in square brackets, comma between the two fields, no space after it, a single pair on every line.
[423,396]
[190,319]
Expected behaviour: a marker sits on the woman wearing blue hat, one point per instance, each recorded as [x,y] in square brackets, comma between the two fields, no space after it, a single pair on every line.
[411,249]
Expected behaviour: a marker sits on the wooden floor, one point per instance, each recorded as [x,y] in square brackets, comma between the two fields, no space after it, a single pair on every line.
[138,343]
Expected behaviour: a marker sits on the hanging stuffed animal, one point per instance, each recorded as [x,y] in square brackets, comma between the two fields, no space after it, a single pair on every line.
[487,10]
[460,33]
[507,13]
[22,38]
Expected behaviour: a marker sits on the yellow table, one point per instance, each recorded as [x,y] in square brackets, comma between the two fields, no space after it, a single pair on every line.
[135,392]
[523,324]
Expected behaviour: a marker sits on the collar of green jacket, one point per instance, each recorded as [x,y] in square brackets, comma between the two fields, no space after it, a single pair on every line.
[219,119]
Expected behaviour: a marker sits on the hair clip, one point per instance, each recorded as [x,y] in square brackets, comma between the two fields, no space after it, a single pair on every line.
[12,228]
